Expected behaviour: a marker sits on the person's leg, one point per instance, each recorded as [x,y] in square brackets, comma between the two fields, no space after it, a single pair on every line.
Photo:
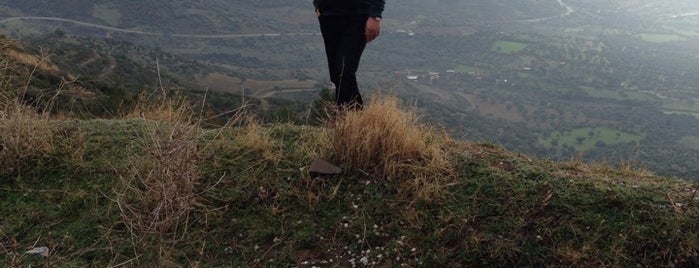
[332,28]
[350,53]
[344,44]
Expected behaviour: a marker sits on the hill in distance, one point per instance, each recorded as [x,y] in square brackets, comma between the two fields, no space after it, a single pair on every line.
[154,186]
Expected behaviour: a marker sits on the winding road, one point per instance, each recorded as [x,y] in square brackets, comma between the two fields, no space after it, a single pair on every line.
[129,31]
[569,10]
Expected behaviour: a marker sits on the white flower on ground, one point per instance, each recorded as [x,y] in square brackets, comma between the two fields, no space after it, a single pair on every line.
[364,260]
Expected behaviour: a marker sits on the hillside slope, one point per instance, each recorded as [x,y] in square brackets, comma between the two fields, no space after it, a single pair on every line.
[249,16]
[156,189]
[89,78]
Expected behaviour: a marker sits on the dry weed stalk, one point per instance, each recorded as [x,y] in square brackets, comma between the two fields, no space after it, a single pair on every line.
[159,194]
[388,141]
[164,108]
[28,132]
[163,188]
[24,133]
[6,73]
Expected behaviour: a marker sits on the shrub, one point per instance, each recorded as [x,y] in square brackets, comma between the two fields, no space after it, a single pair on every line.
[388,141]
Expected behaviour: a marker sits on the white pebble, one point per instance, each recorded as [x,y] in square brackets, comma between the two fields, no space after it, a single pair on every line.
[364,260]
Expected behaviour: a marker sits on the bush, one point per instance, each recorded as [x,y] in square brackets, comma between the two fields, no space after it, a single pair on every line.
[24,136]
[388,141]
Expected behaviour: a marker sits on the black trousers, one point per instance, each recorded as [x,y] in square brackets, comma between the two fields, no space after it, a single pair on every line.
[344,44]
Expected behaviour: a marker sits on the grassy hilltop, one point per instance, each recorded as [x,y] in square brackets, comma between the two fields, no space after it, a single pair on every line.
[154,186]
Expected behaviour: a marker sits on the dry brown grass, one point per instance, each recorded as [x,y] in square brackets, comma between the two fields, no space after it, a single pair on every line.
[24,133]
[31,60]
[176,109]
[256,138]
[6,80]
[159,193]
[163,191]
[387,140]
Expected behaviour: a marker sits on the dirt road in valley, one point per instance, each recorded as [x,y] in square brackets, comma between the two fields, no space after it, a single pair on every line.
[130,31]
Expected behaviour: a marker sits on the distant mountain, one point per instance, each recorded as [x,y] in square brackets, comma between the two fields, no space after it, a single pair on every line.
[186,17]
[90,78]
[217,17]
[252,16]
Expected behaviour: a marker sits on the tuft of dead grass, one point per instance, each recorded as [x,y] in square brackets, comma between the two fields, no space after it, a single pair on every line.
[255,138]
[387,140]
[24,132]
[163,193]
[176,109]
[159,195]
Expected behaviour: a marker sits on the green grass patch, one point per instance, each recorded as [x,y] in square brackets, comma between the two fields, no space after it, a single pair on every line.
[107,13]
[465,69]
[524,75]
[599,60]
[690,142]
[562,90]
[695,114]
[675,106]
[584,139]
[508,47]
[557,89]
[660,38]
[618,94]
[689,105]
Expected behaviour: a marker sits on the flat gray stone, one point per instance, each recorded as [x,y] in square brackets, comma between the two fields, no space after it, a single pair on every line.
[320,167]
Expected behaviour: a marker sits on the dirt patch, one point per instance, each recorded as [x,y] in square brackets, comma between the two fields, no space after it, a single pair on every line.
[495,109]
[220,82]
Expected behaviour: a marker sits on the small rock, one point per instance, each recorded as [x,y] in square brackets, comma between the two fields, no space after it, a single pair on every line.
[41,251]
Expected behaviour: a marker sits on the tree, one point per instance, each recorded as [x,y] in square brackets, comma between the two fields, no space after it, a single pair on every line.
[580,140]
[59,33]
[554,142]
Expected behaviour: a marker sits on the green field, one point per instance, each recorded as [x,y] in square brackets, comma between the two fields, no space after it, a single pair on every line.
[584,139]
[659,38]
[690,142]
[107,14]
[686,27]
[674,106]
[465,69]
[681,105]
[617,94]
[507,47]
